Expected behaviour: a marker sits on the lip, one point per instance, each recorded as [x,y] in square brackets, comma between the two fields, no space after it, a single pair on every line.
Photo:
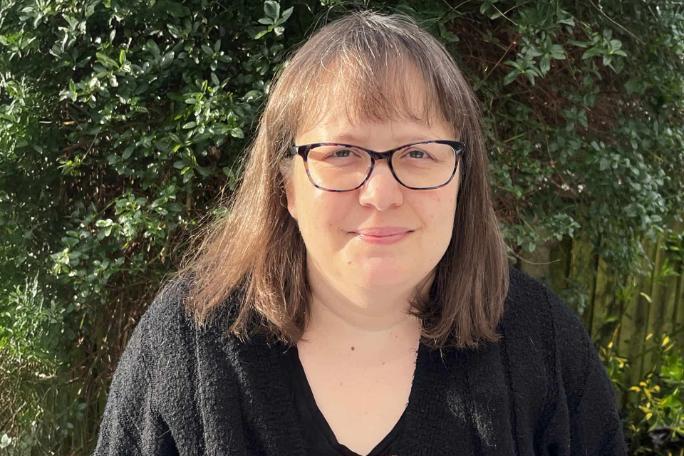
[383,231]
[382,235]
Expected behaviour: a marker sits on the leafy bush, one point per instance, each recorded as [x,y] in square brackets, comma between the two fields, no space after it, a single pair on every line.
[31,365]
[122,123]
[654,408]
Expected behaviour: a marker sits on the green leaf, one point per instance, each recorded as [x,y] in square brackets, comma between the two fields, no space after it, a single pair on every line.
[204,171]
[286,14]
[557,52]
[175,9]
[252,95]
[105,60]
[5,441]
[545,64]
[592,52]
[167,59]
[73,93]
[103,223]
[615,44]
[581,44]
[272,9]
[152,47]
[567,21]
[583,119]
[604,164]
[207,50]
[634,86]
[510,77]
[261,33]
[533,52]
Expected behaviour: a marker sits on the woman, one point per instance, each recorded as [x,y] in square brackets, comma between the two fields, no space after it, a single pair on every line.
[356,300]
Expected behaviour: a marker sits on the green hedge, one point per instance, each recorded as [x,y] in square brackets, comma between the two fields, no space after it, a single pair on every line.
[123,122]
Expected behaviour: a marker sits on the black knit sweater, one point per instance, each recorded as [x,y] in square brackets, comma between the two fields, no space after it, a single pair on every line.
[541,390]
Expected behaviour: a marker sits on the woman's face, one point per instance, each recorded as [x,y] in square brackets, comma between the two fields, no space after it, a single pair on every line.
[338,228]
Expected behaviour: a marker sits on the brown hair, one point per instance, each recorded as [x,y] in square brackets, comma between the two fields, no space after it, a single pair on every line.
[255,250]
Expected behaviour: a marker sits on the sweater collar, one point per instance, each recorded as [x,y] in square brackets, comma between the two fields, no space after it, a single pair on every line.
[458,398]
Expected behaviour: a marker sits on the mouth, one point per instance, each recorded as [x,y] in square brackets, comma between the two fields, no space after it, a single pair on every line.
[382,235]
[382,231]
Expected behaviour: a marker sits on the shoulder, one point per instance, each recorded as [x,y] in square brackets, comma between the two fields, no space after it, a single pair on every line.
[166,319]
[168,305]
[164,336]
[527,311]
[160,339]
[535,312]
[173,338]
[531,302]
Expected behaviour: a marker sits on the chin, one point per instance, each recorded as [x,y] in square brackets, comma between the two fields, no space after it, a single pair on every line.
[378,276]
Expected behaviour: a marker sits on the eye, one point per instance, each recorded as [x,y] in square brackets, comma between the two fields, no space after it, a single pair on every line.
[342,153]
[417,154]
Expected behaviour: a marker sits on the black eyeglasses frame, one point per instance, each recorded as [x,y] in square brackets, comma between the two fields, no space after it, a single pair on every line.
[303,151]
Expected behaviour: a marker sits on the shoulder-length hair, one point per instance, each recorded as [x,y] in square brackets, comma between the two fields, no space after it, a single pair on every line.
[255,250]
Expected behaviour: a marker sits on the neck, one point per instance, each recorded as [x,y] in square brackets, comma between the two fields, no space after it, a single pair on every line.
[369,322]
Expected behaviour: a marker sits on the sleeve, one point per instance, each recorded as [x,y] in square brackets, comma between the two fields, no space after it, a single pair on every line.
[130,424]
[586,407]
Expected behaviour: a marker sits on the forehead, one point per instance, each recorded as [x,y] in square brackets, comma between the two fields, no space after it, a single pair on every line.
[365,132]
[343,98]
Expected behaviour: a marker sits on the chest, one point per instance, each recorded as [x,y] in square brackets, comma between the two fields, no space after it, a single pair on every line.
[361,401]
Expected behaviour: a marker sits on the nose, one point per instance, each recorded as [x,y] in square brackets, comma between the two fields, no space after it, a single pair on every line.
[381,191]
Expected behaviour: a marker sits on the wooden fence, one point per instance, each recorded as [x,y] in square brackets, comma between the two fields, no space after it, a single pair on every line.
[633,312]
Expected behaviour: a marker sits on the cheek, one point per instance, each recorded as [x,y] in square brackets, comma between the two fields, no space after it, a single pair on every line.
[315,208]
[438,208]
[323,217]
[437,212]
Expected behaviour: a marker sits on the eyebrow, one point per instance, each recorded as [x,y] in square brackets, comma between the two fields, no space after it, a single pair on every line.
[350,138]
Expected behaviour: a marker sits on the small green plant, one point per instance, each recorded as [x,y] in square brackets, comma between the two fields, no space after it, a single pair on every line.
[656,416]
[653,409]
[30,339]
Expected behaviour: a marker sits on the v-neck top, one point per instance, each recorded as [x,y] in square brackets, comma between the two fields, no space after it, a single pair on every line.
[319,436]
[195,390]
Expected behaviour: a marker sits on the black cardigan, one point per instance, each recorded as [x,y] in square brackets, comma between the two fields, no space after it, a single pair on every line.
[541,390]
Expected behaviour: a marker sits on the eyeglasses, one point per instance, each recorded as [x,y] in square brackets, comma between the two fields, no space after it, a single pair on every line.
[422,165]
